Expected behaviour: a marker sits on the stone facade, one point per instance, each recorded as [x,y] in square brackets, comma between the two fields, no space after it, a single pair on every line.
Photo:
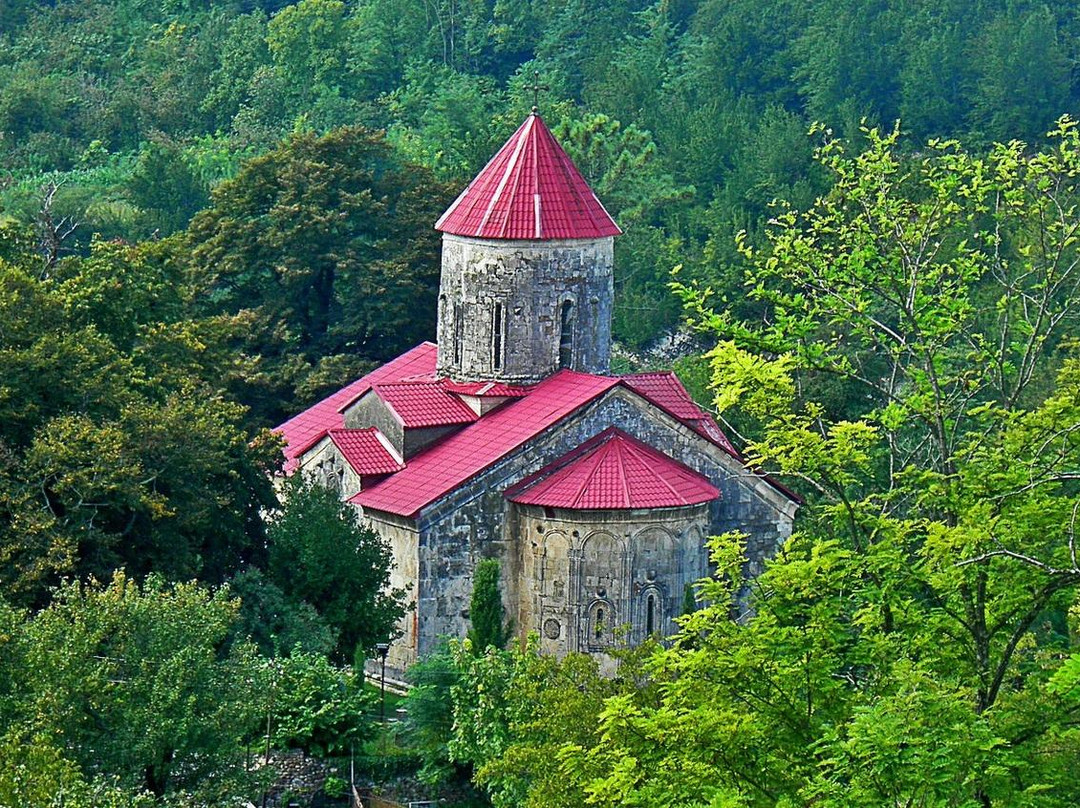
[517,311]
[591,580]
[476,521]
[324,463]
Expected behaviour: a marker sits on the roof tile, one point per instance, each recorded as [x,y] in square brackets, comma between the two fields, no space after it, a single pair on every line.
[529,190]
[424,404]
[449,463]
[365,450]
[614,471]
[302,431]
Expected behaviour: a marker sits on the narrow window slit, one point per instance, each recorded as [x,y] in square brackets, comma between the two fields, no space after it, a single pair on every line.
[566,335]
[497,337]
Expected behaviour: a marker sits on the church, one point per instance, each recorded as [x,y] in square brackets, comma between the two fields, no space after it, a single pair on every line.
[510,438]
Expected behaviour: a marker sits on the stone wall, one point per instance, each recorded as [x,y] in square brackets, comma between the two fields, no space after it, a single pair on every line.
[324,464]
[530,283]
[593,580]
[401,534]
[370,410]
[474,521]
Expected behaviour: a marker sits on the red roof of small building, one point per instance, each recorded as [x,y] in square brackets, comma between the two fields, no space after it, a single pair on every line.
[614,471]
[424,404]
[303,430]
[530,190]
[366,451]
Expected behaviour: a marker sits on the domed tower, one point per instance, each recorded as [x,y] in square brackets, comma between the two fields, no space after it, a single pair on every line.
[526,284]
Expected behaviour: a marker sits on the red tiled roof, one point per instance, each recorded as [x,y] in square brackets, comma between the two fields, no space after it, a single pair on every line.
[530,190]
[614,471]
[409,385]
[424,404]
[365,450]
[486,389]
[446,465]
[303,430]
[664,389]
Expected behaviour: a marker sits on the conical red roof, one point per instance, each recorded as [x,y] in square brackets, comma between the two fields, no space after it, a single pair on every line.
[613,471]
[530,190]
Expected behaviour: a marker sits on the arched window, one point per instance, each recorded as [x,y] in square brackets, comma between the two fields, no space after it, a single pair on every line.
[497,337]
[650,614]
[566,335]
[601,624]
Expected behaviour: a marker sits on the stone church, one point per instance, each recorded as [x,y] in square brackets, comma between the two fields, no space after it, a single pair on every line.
[511,439]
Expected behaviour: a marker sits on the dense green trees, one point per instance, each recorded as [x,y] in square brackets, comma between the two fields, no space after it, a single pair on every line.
[322,557]
[328,243]
[141,107]
[118,449]
[125,686]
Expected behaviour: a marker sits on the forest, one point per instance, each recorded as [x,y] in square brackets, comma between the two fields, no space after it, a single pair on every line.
[861,220]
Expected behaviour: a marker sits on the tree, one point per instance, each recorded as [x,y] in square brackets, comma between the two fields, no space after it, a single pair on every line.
[516,712]
[317,707]
[137,683]
[911,372]
[429,710]
[321,556]
[118,447]
[622,165]
[486,614]
[328,240]
[1024,78]
[166,188]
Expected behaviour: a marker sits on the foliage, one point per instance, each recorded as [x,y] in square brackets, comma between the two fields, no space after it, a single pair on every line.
[723,89]
[117,446]
[488,625]
[429,714]
[315,706]
[275,622]
[908,645]
[127,681]
[323,239]
[320,556]
[515,710]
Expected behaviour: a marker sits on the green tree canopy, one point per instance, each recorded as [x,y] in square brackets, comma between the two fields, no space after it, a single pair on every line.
[321,556]
[909,643]
[117,446]
[329,241]
[487,618]
[128,684]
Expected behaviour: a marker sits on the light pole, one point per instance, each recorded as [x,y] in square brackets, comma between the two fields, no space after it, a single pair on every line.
[383,648]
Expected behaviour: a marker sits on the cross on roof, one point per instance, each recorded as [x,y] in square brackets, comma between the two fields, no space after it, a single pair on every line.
[536,87]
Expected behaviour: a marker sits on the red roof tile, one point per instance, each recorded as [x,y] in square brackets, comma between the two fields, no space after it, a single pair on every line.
[410,386]
[366,451]
[424,404]
[614,471]
[444,466]
[664,389]
[530,190]
[303,430]
[485,389]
